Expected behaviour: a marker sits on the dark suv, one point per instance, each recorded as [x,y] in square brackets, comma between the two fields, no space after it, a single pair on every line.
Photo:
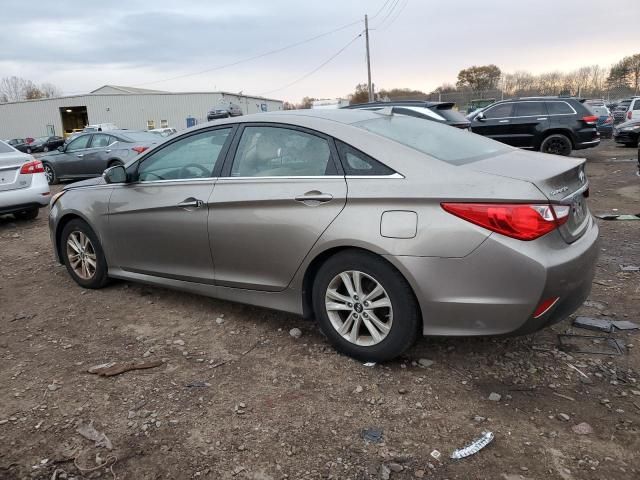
[550,124]
[442,112]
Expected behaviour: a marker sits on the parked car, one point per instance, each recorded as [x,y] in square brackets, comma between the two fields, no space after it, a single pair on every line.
[442,112]
[41,144]
[163,132]
[633,111]
[23,186]
[627,133]
[99,127]
[379,226]
[554,125]
[89,154]
[224,111]
[620,111]
[605,120]
[15,142]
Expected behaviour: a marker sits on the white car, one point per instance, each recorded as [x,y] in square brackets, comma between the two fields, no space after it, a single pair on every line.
[99,127]
[163,132]
[633,112]
[23,186]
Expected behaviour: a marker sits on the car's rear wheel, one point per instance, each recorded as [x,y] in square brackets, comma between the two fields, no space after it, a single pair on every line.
[29,214]
[45,149]
[83,255]
[556,144]
[365,307]
[50,173]
[29,150]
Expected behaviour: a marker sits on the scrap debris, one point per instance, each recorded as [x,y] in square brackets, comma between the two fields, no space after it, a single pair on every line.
[594,345]
[90,433]
[373,435]
[474,447]
[113,368]
[604,324]
[615,216]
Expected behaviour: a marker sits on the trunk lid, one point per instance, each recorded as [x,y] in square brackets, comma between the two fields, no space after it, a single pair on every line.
[11,161]
[561,179]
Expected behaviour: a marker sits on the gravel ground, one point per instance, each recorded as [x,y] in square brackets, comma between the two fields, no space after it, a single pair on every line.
[237,396]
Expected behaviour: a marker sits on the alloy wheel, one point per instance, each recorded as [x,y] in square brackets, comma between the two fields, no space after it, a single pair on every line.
[48,172]
[81,254]
[557,146]
[359,308]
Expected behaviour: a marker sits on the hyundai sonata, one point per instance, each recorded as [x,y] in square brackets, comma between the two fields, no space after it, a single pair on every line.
[378,226]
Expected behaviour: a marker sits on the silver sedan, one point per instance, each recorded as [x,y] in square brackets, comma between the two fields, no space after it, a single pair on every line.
[378,226]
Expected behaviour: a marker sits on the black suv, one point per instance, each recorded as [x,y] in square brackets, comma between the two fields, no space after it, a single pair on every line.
[442,112]
[550,124]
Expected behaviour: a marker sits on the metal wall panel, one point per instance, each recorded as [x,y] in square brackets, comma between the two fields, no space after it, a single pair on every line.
[132,111]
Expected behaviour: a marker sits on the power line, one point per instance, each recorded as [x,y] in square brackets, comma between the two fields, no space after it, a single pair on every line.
[306,75]
[381,8]
[389,12]
[255,57]
[395,17]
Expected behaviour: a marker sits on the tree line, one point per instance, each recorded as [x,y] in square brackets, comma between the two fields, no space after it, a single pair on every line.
[16,89]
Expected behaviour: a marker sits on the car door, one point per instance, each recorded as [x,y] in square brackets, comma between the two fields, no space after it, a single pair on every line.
[277,194]
[69,163]
[530,120]
[495,122]
[94,157]
[158,221]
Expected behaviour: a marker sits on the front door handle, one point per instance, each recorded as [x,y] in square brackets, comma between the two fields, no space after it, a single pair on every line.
[107,151]
[79,155]
[314,197]
[541,118]
[191,203]
[504,121]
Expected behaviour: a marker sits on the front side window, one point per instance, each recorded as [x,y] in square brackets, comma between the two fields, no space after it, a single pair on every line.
[559,108]
[499,111]
[79,143]
[188,158]
[530,109]
[281,152]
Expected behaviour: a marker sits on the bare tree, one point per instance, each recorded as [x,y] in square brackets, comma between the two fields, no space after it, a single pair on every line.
[12,88]
[49,90]
[15,89]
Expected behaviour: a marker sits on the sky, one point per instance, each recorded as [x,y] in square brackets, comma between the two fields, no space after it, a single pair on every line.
[418,44]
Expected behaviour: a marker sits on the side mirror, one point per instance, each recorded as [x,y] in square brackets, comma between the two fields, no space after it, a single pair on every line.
[61,148]
[116,174]
[480,117]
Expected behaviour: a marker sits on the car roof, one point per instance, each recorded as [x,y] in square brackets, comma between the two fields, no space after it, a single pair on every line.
[398,103]
[295,117]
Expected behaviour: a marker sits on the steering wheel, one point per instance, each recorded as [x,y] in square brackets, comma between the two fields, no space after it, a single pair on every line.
[184,170]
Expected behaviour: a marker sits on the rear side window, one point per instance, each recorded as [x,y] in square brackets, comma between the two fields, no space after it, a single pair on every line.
[530,109]
[636,104]
[559,108]
[450,114]
[499,111]
[357,163]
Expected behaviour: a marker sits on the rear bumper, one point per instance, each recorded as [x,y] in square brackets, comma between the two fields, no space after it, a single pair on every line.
[495,289]
[36,195]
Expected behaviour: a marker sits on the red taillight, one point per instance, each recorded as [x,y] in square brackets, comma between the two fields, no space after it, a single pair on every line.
[520,221]
[629,114]
[139,149]
[608,120]
[545,306]
[32,167]
[590,119]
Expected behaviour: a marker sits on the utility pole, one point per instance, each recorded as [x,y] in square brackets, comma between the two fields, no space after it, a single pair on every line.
[366,32]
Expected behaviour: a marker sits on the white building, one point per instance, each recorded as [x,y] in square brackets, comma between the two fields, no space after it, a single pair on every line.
[330,103]
[127,107]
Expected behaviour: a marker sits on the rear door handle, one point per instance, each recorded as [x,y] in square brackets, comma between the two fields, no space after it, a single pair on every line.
[79,155]
[191,203]
[541,118]
[314,197]
[503,121]
[107,151]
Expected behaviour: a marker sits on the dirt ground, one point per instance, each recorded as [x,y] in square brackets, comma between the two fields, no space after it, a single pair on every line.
[237,397]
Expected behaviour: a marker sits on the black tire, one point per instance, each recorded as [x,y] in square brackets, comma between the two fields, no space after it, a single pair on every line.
[113,163]
[50,173]
[30,214]
[99,279]
[556,144]
[406,317]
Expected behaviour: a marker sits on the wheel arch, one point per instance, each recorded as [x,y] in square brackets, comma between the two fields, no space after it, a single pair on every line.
[314,266]
[561,131]
[63,222]
[112,161]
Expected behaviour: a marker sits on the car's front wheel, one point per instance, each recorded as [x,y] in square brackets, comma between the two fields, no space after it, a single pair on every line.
[556,144]
[83,255]
[365,307]
[50,173]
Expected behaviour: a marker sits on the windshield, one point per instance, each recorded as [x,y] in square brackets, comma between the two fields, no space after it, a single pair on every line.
[449,144]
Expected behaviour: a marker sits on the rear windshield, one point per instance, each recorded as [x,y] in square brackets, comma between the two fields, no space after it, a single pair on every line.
[139,137]
[451,145]
[4,148]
